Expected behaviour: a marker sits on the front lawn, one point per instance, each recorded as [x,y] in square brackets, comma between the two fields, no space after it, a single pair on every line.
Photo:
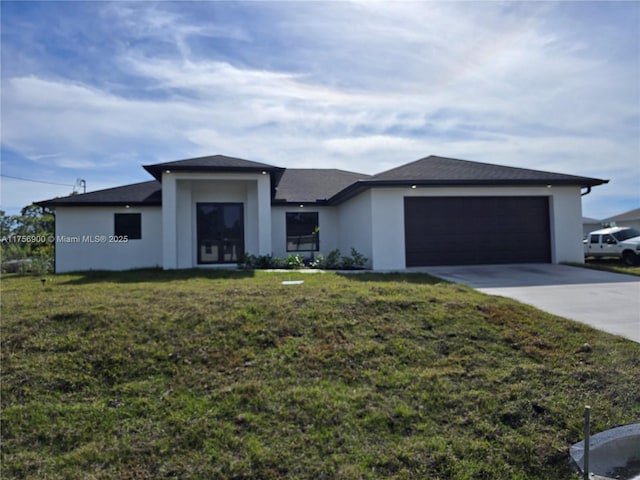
[201,374]
[612,265]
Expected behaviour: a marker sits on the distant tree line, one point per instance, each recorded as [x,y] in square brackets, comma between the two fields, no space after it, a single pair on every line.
[27,240]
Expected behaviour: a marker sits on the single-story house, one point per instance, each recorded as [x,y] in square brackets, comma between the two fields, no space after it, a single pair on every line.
[589,225]
[626,219]
[209,211]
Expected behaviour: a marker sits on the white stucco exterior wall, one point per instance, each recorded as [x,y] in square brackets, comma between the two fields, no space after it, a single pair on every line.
[169,222]
[355,226]
[83,239]
[184,190]
[184,226]
[566,228]
[387,219]
[388,249]
[372,222]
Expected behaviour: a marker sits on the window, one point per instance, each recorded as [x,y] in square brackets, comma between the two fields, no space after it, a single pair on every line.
[594,239]
[303,232]
[626,234]
[129,225]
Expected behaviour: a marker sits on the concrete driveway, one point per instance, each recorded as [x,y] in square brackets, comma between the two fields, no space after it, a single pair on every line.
[606,301]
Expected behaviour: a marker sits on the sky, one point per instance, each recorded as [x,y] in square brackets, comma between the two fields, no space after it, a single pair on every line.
[95,90]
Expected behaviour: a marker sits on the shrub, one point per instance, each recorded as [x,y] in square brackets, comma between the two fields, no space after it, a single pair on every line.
[355,261]
[359,260]
[333,261]
[294,261]
[317,262]
[259,262]
[246,261]
[346,262]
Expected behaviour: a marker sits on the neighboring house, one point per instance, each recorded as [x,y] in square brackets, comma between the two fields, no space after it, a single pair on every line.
[626,219]
[208,211]
[589,225]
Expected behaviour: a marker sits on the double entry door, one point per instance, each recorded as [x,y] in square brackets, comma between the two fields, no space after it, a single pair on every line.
[220,232]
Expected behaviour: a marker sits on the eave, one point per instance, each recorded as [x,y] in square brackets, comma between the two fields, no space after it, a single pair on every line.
[56,203]
[156,170]
[362,185]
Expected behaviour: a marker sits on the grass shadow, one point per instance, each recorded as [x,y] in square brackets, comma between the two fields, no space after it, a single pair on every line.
[420,278]
[152,275]
[615,265]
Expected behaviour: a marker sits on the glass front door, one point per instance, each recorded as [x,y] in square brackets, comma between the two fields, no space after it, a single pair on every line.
[220,231]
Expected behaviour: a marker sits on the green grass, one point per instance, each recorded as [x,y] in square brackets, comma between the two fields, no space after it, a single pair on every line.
[200,374]
[611,265]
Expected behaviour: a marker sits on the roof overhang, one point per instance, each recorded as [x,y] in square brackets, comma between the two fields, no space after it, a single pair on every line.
[158,169]
[303,203]
[58,202]
[362,185]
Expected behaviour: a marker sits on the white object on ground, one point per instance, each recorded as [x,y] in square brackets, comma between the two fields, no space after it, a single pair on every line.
[610,450]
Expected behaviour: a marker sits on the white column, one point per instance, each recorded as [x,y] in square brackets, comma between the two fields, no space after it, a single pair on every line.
[264,215]
[566,226]
[169,233]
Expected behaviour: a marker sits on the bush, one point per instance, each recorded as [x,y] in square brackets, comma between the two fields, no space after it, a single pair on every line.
[359,260]
[246,261]
[336,261]
[259,262]
[355,261]
[333,261]
[317,262]
[294,262]
[346,262]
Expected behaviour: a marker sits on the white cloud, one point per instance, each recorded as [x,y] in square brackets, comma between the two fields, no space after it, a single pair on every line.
[91,127]
[368,86]
[359,146]
[16,194]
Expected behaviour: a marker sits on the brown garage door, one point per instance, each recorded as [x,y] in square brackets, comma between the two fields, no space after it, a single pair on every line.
[476,230]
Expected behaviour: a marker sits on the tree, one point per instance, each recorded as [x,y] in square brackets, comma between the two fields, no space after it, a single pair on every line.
[28,236]
[7,223]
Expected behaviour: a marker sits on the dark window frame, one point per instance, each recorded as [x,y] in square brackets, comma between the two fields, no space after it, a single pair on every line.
[299,234]
[128,225]
[233,247]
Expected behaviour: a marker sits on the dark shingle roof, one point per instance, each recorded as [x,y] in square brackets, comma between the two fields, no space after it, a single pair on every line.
[213,163]
[630,215]
[302,185]
[145,193]
[442,171]
[329,186]
[435,169]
